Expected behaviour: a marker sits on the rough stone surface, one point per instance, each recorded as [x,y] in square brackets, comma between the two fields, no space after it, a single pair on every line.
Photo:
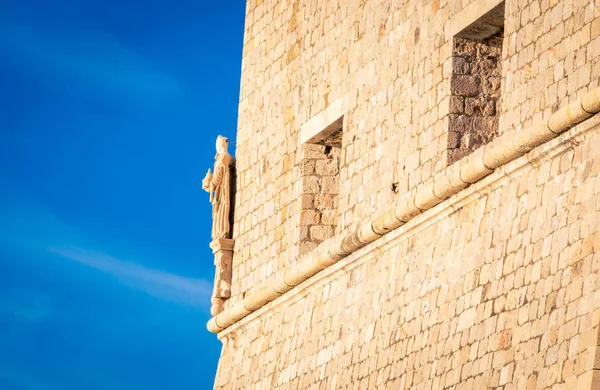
[320,186]
[475,87]
[523,256]
[503,292]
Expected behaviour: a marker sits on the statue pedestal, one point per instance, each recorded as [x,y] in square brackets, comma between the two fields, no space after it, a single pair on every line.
[223,250]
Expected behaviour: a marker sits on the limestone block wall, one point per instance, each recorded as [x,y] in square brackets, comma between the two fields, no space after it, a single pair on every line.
[392,60]
[497,287]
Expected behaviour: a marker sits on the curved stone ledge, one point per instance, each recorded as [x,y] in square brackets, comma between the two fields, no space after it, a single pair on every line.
[454,179]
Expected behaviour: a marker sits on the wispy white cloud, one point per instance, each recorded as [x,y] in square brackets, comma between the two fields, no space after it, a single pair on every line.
[29,228]
[158,283]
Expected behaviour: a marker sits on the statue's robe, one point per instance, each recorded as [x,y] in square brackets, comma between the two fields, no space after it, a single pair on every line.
[221,183]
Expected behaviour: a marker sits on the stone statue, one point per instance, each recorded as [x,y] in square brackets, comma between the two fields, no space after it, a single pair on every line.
[219,187]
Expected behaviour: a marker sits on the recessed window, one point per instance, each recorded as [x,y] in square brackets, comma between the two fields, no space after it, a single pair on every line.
[320,169]
[475,84]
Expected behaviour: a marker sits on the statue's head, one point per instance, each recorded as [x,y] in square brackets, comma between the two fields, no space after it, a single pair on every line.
[222,143]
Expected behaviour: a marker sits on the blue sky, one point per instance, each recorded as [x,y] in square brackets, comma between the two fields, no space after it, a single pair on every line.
[109,110]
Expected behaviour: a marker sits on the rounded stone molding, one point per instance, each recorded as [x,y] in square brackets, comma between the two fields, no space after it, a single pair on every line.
[454,179]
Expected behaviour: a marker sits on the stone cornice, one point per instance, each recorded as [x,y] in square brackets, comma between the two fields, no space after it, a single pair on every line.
[491,158]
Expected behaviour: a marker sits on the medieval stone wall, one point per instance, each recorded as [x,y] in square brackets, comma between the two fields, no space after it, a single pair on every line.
[499,290]
[393,61]
[496,294]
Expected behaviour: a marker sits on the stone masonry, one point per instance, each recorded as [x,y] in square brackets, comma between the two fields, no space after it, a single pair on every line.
[495,287]
[320,186]
[475,84]
[475,88]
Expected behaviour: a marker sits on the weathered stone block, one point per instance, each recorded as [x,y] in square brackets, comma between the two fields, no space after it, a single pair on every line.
[324,202]
[320,233]
[457,104]
[329,184]
[309,217]
[311,185]
[327,167]
[307,167]
[453,139]
[306,201]
[465,85]
[480,106]
[461,65]
[313,151]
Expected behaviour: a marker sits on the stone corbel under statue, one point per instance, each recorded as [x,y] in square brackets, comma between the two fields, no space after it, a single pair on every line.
[219,185]
[223,250]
